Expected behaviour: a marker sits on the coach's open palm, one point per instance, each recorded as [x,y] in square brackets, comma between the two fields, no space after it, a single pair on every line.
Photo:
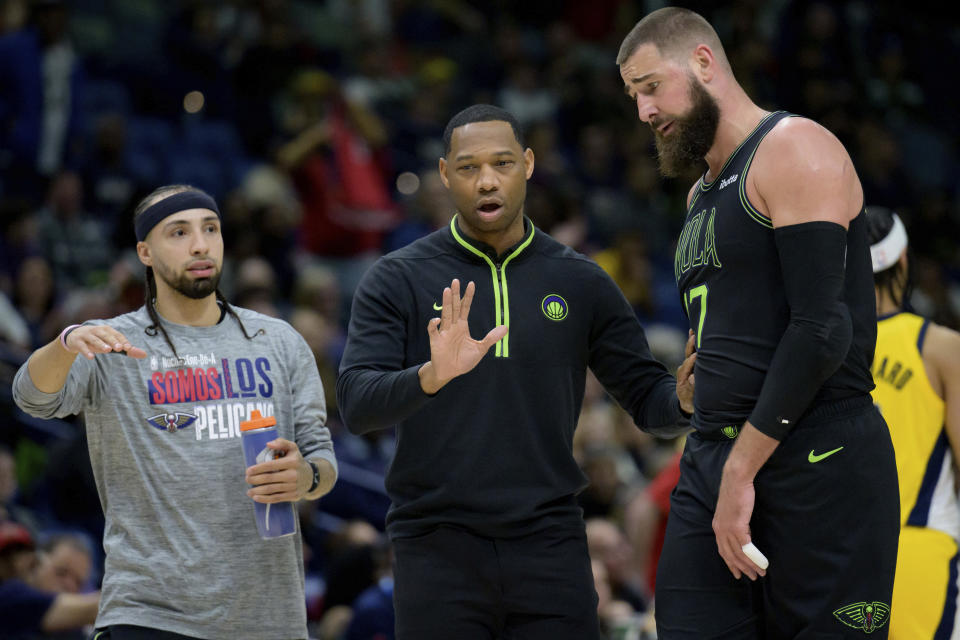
[453,351]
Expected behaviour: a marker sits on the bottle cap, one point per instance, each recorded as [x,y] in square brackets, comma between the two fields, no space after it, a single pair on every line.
[257,421]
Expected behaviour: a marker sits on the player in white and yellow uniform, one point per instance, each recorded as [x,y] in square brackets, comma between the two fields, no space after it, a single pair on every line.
[917,374]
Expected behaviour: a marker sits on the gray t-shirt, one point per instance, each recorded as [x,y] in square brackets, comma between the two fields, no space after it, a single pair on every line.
[181,542]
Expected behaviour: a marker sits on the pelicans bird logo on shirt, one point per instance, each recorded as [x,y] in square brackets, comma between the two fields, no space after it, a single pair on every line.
[172,422]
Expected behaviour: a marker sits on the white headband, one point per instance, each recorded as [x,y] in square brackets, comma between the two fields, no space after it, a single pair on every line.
[886,252]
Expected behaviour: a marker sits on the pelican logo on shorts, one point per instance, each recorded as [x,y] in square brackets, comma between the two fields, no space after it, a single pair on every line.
[730,431]
[865,616]
[172,422]
[554,307]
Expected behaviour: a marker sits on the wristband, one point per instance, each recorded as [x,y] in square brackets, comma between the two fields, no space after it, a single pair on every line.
[316,476]
[65,333]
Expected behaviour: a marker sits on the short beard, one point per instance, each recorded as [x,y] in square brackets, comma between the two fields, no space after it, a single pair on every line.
[193,288]
[692,134]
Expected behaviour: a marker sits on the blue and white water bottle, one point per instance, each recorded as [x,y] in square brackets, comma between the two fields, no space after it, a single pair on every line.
[273,520]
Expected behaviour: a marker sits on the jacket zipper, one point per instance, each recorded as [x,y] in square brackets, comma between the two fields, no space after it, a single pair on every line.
[502,348]
[500,291]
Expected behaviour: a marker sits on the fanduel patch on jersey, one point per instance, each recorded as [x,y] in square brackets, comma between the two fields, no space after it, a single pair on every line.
[728,181]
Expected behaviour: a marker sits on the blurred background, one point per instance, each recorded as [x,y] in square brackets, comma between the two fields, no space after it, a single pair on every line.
[317,126]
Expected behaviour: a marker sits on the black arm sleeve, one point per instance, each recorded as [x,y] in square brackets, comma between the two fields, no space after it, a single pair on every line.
[620,358]
[816,341]
[375,389]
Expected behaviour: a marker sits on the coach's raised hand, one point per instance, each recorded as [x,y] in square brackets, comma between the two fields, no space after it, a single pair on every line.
[453,351]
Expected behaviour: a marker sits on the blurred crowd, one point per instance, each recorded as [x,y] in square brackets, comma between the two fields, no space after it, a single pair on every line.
[317,126]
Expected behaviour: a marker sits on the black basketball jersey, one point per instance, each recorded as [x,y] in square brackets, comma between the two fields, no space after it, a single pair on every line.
[730,283]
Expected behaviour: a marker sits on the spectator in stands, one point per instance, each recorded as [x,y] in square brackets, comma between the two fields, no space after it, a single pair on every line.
[608,544]
[9,508]
[111,181]
[645,519]
[373,617]
[26,609]
[76,242]
[319,333]
[8,480]
[318,288]
[13,328]
[616,616]
[256,287]
[333,158]
[40,90]
[34,296]
[18,237]
[430,209]
[65,564]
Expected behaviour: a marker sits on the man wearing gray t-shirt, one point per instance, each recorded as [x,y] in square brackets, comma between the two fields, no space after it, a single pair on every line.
[183,556]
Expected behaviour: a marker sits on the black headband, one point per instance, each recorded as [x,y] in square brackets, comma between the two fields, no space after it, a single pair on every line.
[181,201]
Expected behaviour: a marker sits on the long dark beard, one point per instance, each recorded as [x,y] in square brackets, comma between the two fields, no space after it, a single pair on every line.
[692,134]
[194,288]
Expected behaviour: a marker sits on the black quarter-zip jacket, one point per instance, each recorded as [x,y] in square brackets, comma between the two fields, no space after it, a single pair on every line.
[492,450]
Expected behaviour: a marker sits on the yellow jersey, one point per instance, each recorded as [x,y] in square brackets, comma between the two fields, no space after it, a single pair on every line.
[916,417]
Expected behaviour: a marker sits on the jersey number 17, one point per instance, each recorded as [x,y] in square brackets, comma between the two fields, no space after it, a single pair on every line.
[693,294]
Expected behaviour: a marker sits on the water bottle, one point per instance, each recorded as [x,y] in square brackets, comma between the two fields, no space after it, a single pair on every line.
[273,520]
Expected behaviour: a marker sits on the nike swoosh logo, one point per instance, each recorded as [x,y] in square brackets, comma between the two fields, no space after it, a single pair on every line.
[437,307]
[817,458]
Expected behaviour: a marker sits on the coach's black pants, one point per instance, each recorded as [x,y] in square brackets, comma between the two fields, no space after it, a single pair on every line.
[451,584]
